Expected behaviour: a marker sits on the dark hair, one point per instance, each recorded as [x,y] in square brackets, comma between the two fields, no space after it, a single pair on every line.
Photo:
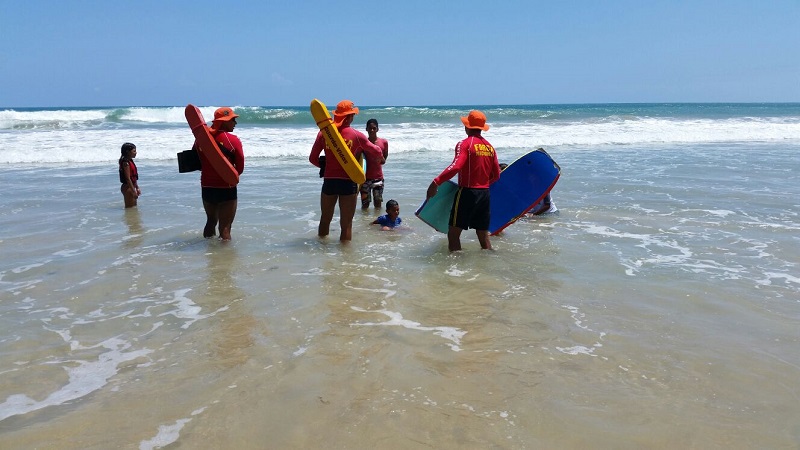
[371,121]
[503,166]
[126,147]
[391,204]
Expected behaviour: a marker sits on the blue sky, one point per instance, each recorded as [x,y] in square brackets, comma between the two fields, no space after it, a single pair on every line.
[466,52]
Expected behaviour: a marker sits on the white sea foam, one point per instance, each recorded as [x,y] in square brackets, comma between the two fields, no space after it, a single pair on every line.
[167,434]
[312,272]
[161,115]
[396,319]
[454,271]
[84,379]
[769,276]
[159,134]
[187,309]
[578,318]
[387,293]
[21,269]
[577,350]
[50,119]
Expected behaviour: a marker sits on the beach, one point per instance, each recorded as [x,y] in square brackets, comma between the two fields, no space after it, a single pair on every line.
[658,308]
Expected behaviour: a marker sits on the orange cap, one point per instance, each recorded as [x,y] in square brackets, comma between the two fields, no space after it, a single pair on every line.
[343,109]
[475,120]
[224,114]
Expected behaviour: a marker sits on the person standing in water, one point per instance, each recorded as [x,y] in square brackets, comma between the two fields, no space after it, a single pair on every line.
[129,175]
[476,164]
[219,198]
[337,186]
[374,185]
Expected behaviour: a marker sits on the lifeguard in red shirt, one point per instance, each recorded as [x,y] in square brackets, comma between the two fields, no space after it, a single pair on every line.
[220,199]
[337,186]
[476,164]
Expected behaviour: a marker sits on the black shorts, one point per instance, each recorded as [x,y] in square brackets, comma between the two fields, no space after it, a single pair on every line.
[219,195]
[338,186]
[470,209]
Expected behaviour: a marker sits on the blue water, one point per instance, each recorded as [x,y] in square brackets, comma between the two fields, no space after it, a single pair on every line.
[21,118]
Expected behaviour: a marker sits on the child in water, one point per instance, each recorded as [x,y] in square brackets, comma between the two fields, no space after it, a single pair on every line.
[391,219]
[129,175]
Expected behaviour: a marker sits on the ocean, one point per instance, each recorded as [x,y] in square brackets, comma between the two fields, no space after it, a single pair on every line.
[658,308]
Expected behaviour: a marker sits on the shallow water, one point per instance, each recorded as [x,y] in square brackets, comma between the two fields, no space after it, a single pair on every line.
[659,308]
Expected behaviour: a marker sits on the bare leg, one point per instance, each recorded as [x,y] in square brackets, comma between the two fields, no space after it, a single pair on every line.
[365,200]
[129,196]
[327,205]
[454,238]
[347,210]
[226,212]
[483,238]
[377,195]
[211,219]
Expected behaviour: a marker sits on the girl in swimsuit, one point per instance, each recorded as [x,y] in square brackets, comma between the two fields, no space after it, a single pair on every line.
[129,175]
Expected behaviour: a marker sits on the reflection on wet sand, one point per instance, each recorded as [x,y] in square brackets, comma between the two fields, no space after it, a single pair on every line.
[234,338]
[135,230]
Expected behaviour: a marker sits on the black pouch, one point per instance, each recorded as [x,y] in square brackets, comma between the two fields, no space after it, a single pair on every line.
[322,166]
[188,161]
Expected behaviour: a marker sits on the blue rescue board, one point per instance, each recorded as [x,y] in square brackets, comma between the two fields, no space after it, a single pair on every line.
[521,185]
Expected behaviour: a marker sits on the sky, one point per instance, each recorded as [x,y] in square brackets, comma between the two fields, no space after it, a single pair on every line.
[396,53]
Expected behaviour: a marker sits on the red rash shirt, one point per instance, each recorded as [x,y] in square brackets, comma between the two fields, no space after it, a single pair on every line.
[475,163]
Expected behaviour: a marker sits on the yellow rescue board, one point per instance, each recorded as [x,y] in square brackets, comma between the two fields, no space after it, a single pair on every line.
[335,143]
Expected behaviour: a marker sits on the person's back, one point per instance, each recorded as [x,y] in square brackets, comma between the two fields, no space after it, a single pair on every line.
[476,164]
[220,199]
[337,186]
[231,147]
[480,168]
[356,141]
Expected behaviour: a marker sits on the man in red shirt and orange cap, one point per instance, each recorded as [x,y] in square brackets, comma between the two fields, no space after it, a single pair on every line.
[476,164]
[219,198]
[338,187]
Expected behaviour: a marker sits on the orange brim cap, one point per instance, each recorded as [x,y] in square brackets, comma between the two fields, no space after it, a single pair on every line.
[476,120]
[343,109]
